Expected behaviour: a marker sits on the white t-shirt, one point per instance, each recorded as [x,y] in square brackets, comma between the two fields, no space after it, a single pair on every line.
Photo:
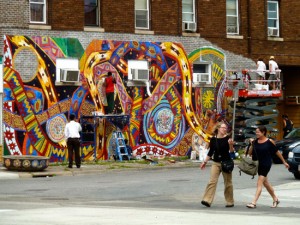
[261,67]
[273,66]
[72,129]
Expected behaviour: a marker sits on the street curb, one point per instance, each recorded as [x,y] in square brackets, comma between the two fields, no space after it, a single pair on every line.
[60,170]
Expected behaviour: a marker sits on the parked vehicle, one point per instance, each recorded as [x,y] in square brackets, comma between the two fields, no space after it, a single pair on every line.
[294,161]
[287,144]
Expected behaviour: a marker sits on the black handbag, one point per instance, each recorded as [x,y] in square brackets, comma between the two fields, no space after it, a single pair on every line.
[227,165]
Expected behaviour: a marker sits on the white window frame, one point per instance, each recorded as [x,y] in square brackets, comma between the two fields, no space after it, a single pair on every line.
[148,14]
[271,18]
[44,3]
[193,12]
[65,64]
[97,16]
[208,71]
[236,16]
[136,65]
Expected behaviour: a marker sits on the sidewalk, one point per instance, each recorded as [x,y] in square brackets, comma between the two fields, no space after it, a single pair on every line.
[91,168]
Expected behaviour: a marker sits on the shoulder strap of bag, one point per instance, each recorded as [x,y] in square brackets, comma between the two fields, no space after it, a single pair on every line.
[253,147]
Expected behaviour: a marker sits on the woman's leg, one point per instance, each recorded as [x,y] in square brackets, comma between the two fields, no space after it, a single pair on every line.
[211,187]
[260,181]
[228,191]
[270,189]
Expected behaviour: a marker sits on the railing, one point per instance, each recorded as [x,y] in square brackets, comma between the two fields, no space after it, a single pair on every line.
[252,81]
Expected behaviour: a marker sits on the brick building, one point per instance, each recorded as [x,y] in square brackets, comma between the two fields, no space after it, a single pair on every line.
[243,29]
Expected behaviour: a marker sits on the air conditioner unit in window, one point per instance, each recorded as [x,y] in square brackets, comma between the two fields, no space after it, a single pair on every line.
[292,100]
[69,75]
[201,78]
[232,29]
[273,32]
[189,26]
[140,74]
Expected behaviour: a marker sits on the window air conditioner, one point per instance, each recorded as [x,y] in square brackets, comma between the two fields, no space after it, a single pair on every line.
[69,75]
[273,32]
[231,29]
[140,74]
[189,26]
[201,78]
[292,100]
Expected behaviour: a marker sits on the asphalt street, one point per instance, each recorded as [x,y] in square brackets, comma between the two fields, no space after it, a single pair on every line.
[150,195]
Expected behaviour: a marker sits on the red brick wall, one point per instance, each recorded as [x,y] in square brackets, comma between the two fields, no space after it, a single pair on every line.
[66,15]
[118,16]
[212,20]
[164,17]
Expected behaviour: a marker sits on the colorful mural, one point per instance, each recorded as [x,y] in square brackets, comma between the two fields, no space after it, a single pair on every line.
[163,124]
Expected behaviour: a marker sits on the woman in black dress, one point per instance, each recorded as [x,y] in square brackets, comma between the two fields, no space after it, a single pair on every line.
[262,150]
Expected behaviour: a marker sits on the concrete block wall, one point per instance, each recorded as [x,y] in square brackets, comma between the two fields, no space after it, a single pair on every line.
[233,61]
[14,13]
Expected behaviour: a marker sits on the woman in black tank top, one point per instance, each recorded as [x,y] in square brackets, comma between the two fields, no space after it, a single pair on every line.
[264,148]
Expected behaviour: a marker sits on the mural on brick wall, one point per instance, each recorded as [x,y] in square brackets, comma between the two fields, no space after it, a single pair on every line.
[173,119]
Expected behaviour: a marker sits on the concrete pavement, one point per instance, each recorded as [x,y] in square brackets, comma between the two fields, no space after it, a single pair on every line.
[140,216]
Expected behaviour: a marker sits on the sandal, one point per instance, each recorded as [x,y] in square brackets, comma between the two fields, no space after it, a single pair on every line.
[251,205]
[275,204]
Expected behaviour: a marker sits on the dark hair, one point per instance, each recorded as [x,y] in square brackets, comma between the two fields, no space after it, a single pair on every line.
[284,116]
[72,117]
[260,59]
[109,73]
[126,141]
[262,129]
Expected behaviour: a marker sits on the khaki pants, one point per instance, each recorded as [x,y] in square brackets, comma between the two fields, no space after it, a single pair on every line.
[211,187]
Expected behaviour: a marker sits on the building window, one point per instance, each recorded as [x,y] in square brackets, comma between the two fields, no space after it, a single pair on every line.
[91,12]
[188,11]
[142,14]
[273,18]
[232,16]
[188,16]
[37,11]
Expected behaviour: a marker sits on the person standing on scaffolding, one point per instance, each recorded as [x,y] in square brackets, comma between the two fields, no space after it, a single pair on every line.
[273,66]
[261,68]
[109,85]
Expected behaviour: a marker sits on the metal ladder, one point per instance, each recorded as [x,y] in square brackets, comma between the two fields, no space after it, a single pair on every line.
[121,149]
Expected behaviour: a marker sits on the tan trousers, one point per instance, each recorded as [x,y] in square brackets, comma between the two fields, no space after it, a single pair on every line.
[211,187]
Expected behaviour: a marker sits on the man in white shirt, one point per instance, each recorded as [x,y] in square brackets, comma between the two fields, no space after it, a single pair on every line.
[273,66]
[261,68]
[72,136]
